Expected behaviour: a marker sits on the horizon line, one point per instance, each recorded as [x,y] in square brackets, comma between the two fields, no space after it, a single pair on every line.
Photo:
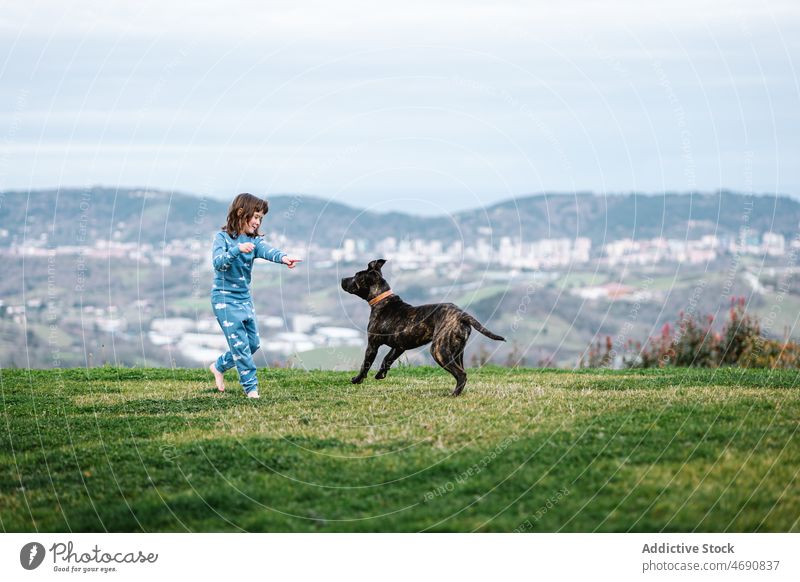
[320,198]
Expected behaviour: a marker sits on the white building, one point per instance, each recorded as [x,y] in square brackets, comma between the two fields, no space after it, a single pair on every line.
[773,244]
[288,343]
[338,336]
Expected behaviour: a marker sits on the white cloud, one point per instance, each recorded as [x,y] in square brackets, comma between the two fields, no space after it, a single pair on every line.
[168,93]
[447,20]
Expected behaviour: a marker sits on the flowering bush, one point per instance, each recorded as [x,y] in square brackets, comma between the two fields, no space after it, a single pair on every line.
[694,343]
[600,355]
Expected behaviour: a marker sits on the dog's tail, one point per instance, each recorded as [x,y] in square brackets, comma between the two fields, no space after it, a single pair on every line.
[477,325]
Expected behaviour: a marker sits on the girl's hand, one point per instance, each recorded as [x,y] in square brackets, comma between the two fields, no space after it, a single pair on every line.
[291,263]
[247,247]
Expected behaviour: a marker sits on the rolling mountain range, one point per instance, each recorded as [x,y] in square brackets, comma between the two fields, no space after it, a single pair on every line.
[76,216]
[62,305]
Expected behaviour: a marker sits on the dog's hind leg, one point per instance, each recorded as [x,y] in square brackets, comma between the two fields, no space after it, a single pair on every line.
[390,358]
[459,361]
[448,351]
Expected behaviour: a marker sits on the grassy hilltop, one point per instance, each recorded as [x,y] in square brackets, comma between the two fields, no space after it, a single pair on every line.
[528,450]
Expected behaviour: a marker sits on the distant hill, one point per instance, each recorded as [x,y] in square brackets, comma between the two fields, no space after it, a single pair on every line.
[637,216]
[76,216]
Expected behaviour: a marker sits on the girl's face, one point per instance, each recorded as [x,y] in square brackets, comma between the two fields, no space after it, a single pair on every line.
[251,225]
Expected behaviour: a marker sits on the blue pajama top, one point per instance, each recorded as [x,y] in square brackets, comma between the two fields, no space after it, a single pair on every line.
[232,268]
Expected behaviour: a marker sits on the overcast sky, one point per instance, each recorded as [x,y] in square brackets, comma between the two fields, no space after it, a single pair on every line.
[401,105]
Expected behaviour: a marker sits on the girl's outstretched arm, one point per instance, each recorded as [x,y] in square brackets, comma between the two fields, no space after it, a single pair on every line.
[264,251]
[221,254]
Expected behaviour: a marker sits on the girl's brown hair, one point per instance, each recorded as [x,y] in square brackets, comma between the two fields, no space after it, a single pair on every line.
[242,209]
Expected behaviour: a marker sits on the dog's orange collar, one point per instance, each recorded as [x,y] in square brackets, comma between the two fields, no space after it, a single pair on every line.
[380,297]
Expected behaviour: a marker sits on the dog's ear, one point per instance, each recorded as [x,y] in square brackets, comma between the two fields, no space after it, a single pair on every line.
[376,264]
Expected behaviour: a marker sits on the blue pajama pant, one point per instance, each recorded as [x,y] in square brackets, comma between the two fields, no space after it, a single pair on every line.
[238,322]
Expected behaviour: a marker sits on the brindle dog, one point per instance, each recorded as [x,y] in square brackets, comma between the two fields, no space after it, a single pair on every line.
[401,326]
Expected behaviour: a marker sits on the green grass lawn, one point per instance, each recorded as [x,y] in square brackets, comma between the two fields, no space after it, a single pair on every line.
[537,450]
[581,279]
[467,299]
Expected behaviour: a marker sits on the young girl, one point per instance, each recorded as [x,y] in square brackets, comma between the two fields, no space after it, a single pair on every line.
[234,249]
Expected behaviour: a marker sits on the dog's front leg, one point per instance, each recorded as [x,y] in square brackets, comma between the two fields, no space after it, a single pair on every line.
[388,361]
[369,357]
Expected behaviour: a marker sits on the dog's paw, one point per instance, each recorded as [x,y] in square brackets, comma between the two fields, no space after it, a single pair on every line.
[356,379]
[380,375]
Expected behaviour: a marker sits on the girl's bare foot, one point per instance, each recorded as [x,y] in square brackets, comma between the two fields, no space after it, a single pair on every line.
[218,377]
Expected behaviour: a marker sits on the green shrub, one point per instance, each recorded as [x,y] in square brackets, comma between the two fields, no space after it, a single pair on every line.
[692,342]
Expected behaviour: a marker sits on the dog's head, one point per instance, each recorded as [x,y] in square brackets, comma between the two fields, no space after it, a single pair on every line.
[368,283]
